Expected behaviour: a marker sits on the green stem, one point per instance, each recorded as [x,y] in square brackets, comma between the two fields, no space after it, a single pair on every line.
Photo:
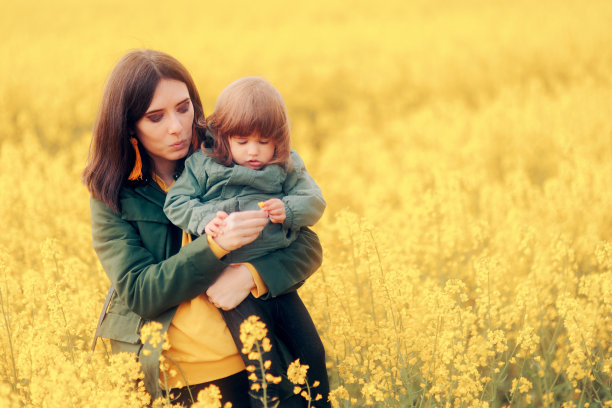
[433,357]
[68,335]
[264,382]
[309,394]
[168,402]
[10,341]
[382,274]
[177,365]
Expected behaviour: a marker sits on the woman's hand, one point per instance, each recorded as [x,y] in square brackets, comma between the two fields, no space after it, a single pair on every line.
[232,287]
[213,228]
[240,228]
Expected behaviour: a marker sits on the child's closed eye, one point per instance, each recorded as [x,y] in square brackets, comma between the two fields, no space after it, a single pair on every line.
[239,139]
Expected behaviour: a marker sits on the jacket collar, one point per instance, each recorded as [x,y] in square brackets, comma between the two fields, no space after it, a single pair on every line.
[152,192]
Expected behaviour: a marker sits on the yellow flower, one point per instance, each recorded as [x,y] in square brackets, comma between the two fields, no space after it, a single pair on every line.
[209,397]
[297,372]
[251,331]
[151,333]
[522,384]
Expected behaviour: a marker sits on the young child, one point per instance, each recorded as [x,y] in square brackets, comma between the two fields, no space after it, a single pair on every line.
[251,167]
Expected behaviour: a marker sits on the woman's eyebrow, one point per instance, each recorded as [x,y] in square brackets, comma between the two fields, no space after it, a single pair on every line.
[153,111]
[183,101]
[161,110]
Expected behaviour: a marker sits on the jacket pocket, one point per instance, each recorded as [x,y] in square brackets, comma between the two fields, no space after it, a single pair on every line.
[122,328]
[123,347]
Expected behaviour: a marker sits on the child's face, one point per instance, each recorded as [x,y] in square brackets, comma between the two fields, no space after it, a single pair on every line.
[251,151]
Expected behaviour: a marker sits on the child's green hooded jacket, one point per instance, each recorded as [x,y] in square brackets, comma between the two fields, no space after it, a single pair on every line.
[206,187]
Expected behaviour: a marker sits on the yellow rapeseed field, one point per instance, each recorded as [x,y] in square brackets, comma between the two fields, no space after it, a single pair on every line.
[464,149]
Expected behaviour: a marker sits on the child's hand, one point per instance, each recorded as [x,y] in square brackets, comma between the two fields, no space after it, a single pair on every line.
[275,210]
[213,228]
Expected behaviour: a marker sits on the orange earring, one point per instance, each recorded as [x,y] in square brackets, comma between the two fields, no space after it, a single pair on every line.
[136,173]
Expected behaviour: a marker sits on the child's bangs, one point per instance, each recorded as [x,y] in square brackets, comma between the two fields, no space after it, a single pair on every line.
[269,123]
[233,128]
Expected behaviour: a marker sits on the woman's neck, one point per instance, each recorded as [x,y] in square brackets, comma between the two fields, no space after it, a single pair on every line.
[165,170]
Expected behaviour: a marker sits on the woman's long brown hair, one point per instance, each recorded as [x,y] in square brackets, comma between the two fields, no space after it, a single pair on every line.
[127,97]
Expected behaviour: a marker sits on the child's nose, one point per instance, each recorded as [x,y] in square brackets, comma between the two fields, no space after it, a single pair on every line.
[253,149]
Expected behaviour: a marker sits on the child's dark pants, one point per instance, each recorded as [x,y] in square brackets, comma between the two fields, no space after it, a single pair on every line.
[287,320]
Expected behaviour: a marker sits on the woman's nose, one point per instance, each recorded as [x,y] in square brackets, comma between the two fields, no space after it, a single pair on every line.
[175,125]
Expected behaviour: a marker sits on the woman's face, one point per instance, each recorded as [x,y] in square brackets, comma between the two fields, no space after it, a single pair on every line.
[165,129]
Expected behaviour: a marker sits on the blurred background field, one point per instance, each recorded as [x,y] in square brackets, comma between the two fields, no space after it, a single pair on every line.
[464,149]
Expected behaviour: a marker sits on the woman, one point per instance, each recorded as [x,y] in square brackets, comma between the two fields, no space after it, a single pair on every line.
[148,123]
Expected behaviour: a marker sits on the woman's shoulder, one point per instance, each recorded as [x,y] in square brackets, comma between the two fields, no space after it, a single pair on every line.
[145,205]
[126,192]
[126,195]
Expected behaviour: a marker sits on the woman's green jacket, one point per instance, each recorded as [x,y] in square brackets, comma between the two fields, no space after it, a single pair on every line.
[140,251]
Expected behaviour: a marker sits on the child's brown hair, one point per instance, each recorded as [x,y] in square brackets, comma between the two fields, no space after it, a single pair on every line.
[247,105]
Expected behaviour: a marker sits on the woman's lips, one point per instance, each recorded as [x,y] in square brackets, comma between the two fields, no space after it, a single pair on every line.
[179,145]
